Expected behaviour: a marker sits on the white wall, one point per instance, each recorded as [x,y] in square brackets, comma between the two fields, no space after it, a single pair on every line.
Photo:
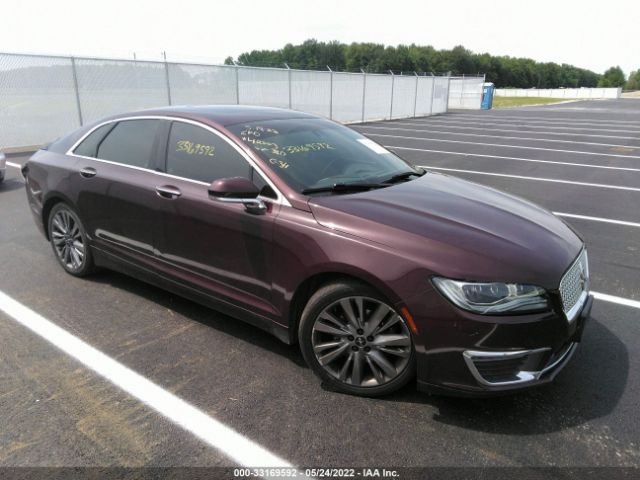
[560,92]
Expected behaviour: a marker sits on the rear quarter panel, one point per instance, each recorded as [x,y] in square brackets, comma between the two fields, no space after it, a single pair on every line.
[48,180]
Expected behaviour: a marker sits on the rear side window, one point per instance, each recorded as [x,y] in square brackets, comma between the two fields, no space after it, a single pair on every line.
[198,154]
[130,142]
[89,146]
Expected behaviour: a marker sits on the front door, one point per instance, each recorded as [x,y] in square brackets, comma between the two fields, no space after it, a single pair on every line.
[216,247]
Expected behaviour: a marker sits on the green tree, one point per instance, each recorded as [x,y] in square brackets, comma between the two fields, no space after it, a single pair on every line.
[613,77]
[376,58]
[363,55]
[228,61]
[633,83]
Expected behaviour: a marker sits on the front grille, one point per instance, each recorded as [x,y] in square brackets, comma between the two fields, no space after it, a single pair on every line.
[574,282]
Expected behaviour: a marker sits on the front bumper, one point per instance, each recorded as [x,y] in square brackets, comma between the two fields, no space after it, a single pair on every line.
[471,355]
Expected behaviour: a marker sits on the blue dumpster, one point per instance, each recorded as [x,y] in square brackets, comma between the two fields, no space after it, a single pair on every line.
[487,95]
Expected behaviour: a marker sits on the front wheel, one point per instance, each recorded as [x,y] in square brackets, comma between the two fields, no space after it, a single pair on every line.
[69,241]
[355,341]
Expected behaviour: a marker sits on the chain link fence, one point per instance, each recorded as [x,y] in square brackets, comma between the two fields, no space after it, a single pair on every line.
[43,97]
[465,92]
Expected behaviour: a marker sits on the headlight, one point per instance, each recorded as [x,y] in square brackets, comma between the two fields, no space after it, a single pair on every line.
[488,298]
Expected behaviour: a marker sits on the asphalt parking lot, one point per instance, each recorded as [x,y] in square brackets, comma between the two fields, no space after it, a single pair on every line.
[579,159]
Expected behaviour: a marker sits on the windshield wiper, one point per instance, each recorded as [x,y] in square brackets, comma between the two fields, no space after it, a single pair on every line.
[356,187]
[404,175]
[344,187]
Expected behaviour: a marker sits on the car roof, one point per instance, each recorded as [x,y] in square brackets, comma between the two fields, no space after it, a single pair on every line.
[226,115]
[222,115]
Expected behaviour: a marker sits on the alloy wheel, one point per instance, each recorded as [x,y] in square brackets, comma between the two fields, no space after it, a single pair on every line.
[67,240]
[361,341]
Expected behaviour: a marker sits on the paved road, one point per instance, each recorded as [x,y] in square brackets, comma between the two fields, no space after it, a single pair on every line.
[54,411]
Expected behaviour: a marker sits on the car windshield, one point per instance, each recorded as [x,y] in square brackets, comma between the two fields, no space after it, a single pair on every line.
[314,153]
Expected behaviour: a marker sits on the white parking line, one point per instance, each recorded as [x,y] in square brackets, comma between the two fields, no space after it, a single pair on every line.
[504,136]
[203,426]
[559,120]
[539,179]
[14,165]
[627,302]
[484,129]
[520,120]
[578,152]
[597,219]
[543,119]
[518,159]
[432,120]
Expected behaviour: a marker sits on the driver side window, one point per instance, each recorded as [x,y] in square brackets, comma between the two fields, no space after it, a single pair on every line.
[198,154]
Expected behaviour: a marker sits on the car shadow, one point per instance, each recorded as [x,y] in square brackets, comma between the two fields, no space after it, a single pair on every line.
[10,184]
[589,387]
[201,314]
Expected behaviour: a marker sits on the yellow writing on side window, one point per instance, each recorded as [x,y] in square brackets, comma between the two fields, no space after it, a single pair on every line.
[190,148]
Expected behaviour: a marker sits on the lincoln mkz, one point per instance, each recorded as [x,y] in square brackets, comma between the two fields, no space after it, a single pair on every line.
[380,271]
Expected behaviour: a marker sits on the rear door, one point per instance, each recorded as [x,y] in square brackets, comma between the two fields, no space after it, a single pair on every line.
[117,197]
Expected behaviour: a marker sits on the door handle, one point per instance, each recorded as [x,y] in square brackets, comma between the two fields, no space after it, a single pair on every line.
[167,191]
[88,172]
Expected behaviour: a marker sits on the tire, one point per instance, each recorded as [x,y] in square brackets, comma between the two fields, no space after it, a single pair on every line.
[333,342]
[69,241]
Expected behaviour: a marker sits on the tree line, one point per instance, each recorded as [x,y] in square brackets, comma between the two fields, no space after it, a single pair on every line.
[504,71]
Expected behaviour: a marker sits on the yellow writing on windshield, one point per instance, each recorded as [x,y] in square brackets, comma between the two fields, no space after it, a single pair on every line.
[278,163]
[260,138]
[257,131]
[308,147]
[190,148]
[265,146]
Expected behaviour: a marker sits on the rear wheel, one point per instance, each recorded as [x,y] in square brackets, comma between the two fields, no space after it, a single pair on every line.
[69,241]
[355,341]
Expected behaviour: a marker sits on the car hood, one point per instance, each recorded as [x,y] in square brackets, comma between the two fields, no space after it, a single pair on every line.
[458,229]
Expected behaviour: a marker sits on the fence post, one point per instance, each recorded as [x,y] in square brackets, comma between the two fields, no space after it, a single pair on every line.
[393,80]
[446,105]
[237,68]
[330,92]
[433,92]
[289,72]
[415,98]
[364,90]
[166,73]
[76,89]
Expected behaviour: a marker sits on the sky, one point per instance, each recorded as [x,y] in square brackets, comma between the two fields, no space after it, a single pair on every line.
[588,34]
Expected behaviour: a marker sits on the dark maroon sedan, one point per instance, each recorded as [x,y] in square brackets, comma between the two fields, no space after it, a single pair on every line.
[380,271]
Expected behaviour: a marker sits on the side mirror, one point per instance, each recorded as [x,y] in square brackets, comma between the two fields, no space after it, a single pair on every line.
[233,187]
[238,190]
